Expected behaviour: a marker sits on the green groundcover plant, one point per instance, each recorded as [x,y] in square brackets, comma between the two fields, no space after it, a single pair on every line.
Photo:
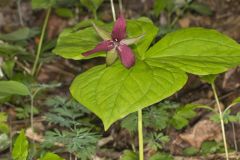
[143,74]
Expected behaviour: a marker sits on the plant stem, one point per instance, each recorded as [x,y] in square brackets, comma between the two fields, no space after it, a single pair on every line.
[113,10]
[32,97]
[221,120]
[234,137]
[140,135]
[20,12]
[120,6]
[31,114]
[41,42]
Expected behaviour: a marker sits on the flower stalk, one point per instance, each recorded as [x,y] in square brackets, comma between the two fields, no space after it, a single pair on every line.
[140,135]
[113,10]
[122,26]
[221,120]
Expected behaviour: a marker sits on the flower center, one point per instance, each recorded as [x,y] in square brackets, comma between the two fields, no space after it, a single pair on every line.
[116,43]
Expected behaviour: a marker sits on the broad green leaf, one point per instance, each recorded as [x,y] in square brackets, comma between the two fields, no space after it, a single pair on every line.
[51,156]
[114,92]
[8,88]
[71,44]
[141,27]
[20,149]
[196,50]
[43,4]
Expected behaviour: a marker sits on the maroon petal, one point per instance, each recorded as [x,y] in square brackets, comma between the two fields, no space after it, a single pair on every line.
[126,55]
[103,46]
[119,29]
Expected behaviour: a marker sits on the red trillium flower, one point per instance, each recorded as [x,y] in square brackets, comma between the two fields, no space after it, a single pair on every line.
[115,44]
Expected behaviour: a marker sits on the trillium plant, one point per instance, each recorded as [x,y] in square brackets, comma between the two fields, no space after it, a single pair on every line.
[143,74]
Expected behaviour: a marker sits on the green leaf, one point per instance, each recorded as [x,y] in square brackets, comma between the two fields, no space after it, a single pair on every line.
[196,50]
[10,50]
[156,118]
[161,156]
[3,117]
[92,5]
[20,34]
[51,156]
[71,43]
[209,78]
[160,5]
[191,151]
[237,100]
[200,8]
[130,123]
[210,147]
[114,92]
[8,88]
[4,128]
[8,67]
[129,155]
[43,4]
[20,149]
[142,26]
[183,115]
[64,12]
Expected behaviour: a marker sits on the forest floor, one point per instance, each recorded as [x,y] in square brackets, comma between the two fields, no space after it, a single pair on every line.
[225,18]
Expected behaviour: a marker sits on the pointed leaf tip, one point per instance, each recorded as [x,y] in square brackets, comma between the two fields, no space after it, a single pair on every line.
[112,56]
[130,41]
[102,33]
